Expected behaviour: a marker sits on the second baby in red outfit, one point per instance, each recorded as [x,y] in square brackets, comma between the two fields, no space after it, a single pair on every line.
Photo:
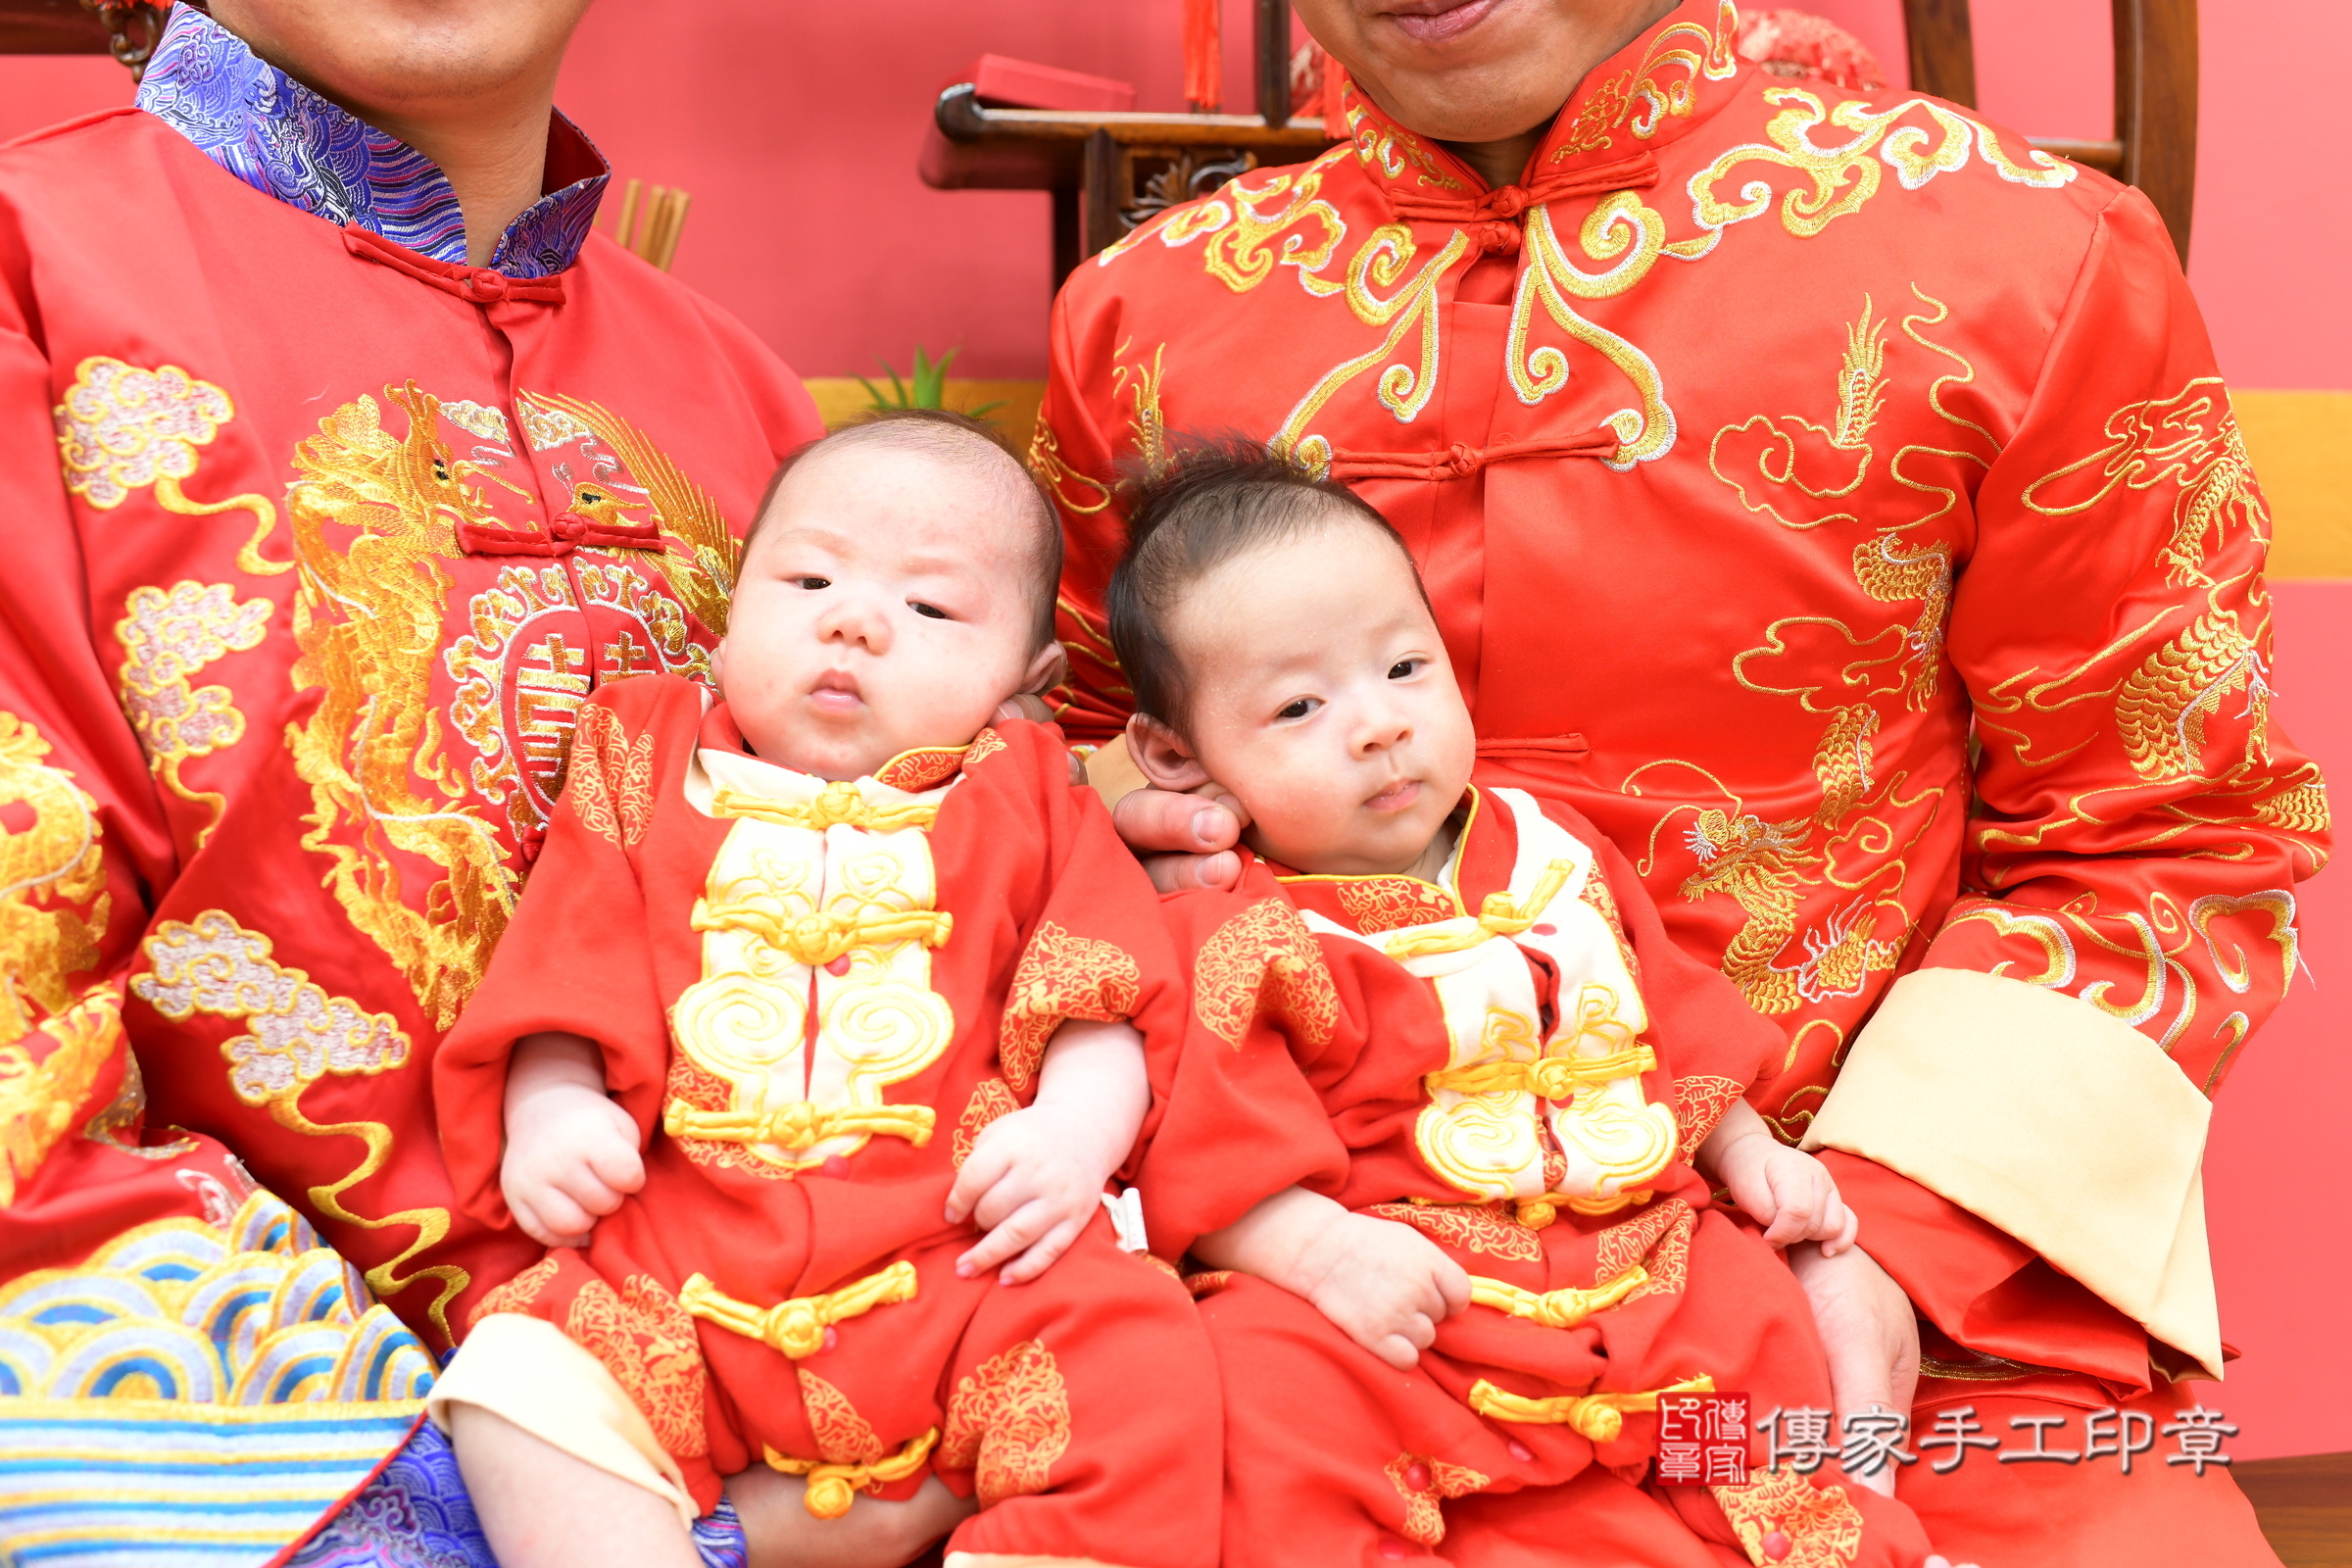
[1441,1170]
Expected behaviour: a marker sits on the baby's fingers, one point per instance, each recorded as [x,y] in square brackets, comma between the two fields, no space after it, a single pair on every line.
[1839,1228]
[1007,1239]
[1403,1350]
[1454,1287]
[542,1221]
[587,1190]
[983,1170]
[1793,1216]
[1041,1258]
[617,1164]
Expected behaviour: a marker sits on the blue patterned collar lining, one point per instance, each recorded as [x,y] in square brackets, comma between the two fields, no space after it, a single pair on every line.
[285,142]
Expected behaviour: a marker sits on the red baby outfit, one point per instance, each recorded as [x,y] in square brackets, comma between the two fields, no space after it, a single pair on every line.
[1518,1064]
[812,997]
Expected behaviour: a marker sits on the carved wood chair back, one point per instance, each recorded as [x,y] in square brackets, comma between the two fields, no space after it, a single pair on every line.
[2155,140]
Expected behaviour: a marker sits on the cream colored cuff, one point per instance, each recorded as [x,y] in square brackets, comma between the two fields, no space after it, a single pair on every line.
[2040,1115]
[523,1369]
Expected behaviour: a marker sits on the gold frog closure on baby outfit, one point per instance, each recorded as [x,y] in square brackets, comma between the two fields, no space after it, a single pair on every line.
[1504,1089]
[821,900]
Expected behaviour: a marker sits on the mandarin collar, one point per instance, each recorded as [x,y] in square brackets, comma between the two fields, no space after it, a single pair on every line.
[286,141]
[1650,93]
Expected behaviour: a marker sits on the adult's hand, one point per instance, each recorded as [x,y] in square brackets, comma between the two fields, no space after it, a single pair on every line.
[1186,840]
[1871,1333]
[780,1532]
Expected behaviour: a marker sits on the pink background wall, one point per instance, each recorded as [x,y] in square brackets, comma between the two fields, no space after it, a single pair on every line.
[799,145]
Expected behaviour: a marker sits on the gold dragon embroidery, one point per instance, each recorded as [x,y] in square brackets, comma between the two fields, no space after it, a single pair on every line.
[2190,442]
[369,621]
[1765,868]
[53,899]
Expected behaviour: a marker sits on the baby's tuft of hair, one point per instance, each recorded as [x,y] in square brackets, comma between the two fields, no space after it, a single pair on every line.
[1210,500]
[962,440]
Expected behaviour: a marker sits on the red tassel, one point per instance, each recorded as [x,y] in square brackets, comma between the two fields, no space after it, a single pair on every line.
[1204,61]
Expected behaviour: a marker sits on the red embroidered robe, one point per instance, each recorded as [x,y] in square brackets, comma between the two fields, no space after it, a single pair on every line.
[313,565]
[1836,502]
[1518,1063]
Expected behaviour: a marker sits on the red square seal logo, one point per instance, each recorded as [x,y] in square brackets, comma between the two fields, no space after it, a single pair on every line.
[1703,1439]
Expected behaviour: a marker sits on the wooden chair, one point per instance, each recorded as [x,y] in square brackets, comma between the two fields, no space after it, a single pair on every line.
[123,28]
[1110,173]
[2155,141]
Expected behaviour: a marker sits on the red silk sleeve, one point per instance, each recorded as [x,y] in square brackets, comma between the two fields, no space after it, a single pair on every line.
[89,853]
[1072,455]
[2138,822]
[575,958]
[1243,1118]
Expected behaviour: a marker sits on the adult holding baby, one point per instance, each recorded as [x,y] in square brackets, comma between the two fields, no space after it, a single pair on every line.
[1836,501]
[342,464]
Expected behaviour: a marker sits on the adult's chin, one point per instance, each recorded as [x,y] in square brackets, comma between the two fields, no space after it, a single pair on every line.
[1482,71]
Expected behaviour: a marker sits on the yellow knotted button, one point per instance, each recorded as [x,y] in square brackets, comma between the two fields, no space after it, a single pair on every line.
[1595,1417]
[832,1488]
[795,1327]
[1556,1310]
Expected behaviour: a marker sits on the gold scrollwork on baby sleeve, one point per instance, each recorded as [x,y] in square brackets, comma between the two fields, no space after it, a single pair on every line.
[1424,1481]
[1818,1526]
[39,1098]
[612,778]
[1477,1228]
[166,637]
[53,899]
[1062,976]
[1264,959]
[1699,1103]
[368,620]
[123,428]
[1008,1422]
[647,1341]
[296,1034]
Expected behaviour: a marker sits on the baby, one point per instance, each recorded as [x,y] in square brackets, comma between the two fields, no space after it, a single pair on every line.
[1468,1081]
[807,984]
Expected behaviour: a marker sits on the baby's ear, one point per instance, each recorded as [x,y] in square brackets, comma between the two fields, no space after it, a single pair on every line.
[1046,671]
[718,659]
[1161,755]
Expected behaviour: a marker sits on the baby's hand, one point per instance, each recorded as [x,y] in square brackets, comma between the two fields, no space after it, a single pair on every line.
[1033,1182]
[571,1154]
[569,1164]
[1385,1284]
[1788,1192]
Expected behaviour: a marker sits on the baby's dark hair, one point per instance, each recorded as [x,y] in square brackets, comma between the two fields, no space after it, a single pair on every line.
[956,438]
[1210,500]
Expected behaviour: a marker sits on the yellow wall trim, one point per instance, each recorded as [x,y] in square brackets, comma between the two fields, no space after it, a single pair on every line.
[840,399]
[2301,444]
